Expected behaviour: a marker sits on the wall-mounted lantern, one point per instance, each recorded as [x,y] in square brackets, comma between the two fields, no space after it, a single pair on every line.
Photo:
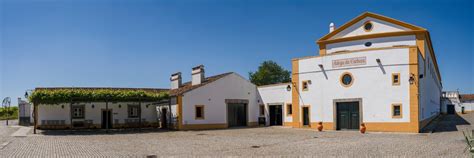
[412,78]
[288,88]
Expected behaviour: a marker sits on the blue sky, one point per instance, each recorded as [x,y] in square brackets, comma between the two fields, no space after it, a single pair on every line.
[139,43]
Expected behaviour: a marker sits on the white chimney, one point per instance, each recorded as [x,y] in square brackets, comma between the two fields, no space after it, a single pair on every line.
[175,80]
[197,75]
[331,27]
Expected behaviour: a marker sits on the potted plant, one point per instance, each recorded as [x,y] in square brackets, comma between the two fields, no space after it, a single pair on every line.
[320,126]
[362,128]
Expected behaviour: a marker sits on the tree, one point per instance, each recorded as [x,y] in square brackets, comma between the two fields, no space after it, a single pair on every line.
[269,72]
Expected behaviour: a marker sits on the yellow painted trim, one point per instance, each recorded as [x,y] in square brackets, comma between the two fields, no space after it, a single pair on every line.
[322,49]
[203,126]
[393,110]
[326,125]
[288,124]
[393,79]
[202,112]
[252,124]
[365,23]
[372,15]
[352,79]
[414,90]
[391,127]
[369,36]
[294,93]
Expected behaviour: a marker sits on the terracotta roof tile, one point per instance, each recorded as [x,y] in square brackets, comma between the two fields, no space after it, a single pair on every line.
[186,87]
[466,97]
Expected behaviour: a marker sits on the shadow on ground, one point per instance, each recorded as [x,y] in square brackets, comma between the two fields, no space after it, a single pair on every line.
[448,123]
[101,131]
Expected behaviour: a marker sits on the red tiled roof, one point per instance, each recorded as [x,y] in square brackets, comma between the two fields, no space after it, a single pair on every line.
[466,97]
[186,87]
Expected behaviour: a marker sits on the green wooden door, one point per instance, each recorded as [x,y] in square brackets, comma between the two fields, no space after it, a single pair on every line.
[347,115]
[305,116]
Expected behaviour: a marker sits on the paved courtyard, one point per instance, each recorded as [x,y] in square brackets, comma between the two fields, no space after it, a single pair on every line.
[446,141]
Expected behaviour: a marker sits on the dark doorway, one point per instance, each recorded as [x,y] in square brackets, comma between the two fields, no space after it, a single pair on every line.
[451,109]
[236,114]
[305,116]
[347,115]
[164,120]
[106,119]
[276,115]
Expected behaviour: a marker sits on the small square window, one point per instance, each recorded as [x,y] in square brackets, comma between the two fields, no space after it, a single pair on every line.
[289,109]
[262,110]
[133,111]
[396,111]
[305,85]
[199,111]
[78,111]
[396,79]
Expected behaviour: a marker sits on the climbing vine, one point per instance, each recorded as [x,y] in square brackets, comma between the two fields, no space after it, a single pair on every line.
[56,96]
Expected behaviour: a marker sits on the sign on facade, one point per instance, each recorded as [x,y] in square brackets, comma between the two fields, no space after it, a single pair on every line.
[349,62]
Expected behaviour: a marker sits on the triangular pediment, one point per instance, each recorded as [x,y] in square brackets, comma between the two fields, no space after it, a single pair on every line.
[379,24]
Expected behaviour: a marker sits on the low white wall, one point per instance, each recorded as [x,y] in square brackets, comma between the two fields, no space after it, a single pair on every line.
[56,112]
[276,95]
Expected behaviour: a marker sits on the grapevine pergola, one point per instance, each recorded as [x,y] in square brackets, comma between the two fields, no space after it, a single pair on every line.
[49,96]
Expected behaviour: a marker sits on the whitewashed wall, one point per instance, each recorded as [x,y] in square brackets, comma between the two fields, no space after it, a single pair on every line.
[376,43]
[430,87]
[275,95]
[371,82]
[213,96]
[379,26]
[55,112]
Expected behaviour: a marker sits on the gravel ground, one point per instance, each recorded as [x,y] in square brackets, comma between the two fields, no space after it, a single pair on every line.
[266,141]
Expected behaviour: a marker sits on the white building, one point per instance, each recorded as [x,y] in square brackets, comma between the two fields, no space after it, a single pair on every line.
[98,114]
[220,101]
[373,70]
[25,111]
[453,103]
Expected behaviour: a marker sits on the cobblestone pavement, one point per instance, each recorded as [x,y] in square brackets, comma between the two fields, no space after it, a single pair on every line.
[266,141]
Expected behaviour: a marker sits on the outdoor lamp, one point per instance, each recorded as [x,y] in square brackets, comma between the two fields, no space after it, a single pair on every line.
[412,79]
[378,60]
[288,88]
